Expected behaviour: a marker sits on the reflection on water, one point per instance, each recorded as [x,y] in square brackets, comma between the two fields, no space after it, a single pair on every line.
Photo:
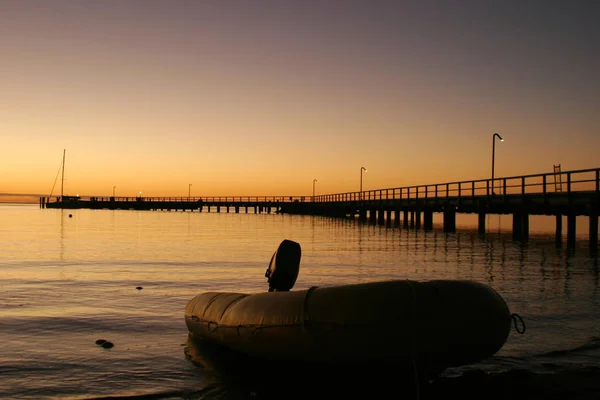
[66,282]
[243,377]
[62,234]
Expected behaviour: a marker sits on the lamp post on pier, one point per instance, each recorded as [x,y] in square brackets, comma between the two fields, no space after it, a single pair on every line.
[361,174]
[314,181]
[494,156]
[114,187]
[189,191]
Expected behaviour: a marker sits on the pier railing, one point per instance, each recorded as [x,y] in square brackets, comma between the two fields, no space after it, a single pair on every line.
[585,180]
[569,193]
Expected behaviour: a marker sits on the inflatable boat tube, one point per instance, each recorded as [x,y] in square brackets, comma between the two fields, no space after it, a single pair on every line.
[407,324]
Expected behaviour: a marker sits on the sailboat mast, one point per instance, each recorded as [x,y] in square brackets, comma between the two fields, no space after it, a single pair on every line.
[62,183]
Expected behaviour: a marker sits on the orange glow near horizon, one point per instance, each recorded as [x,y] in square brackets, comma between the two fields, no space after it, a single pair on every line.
[156,96]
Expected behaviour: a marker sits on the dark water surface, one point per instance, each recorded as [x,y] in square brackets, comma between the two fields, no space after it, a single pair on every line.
[67,282]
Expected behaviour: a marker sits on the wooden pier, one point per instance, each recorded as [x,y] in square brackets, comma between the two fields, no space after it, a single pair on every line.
[568,193]
[256,204]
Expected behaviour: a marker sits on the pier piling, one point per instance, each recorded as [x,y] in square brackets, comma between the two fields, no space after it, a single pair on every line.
[481,222]
[559,230]
[449,218]
[593,231]
[428,220]
[571,229]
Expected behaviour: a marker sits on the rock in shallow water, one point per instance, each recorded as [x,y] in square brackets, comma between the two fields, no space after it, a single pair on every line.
[104,343]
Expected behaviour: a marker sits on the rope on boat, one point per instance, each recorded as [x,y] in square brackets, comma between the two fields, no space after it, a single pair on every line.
[517,318]
[315,334]
[305,307]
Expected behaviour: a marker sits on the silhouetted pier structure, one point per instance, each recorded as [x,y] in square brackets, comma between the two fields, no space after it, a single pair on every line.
[256,204]
[567,193]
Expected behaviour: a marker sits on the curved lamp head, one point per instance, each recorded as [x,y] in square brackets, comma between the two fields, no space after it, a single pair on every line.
[314,180]
[499,137]
[363,169]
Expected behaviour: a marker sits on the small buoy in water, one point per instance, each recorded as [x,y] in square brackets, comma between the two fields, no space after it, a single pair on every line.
[70,215]
[100,342]
[107,345]
[139,287]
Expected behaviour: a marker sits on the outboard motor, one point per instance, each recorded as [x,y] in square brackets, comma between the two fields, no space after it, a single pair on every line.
[284,267]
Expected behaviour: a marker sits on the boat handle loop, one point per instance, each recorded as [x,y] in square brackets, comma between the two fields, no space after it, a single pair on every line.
[210,323]
[517,318]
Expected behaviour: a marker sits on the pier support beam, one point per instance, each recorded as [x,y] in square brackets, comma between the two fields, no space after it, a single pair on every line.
[594,232]
[481,223]
[412,219]
[405,219]
[418,219]
[428,220]
[516,226]
[521,226]
[559,230]
[381,216]
[388,216]
[373,216]
[571,229]
[449,218]
[396,217]
[362,214]
[525,227]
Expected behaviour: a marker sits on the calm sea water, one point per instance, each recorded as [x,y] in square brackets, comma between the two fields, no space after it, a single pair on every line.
[67,281]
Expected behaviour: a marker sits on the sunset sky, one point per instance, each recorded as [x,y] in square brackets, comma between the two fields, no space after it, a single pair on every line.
[261,97]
